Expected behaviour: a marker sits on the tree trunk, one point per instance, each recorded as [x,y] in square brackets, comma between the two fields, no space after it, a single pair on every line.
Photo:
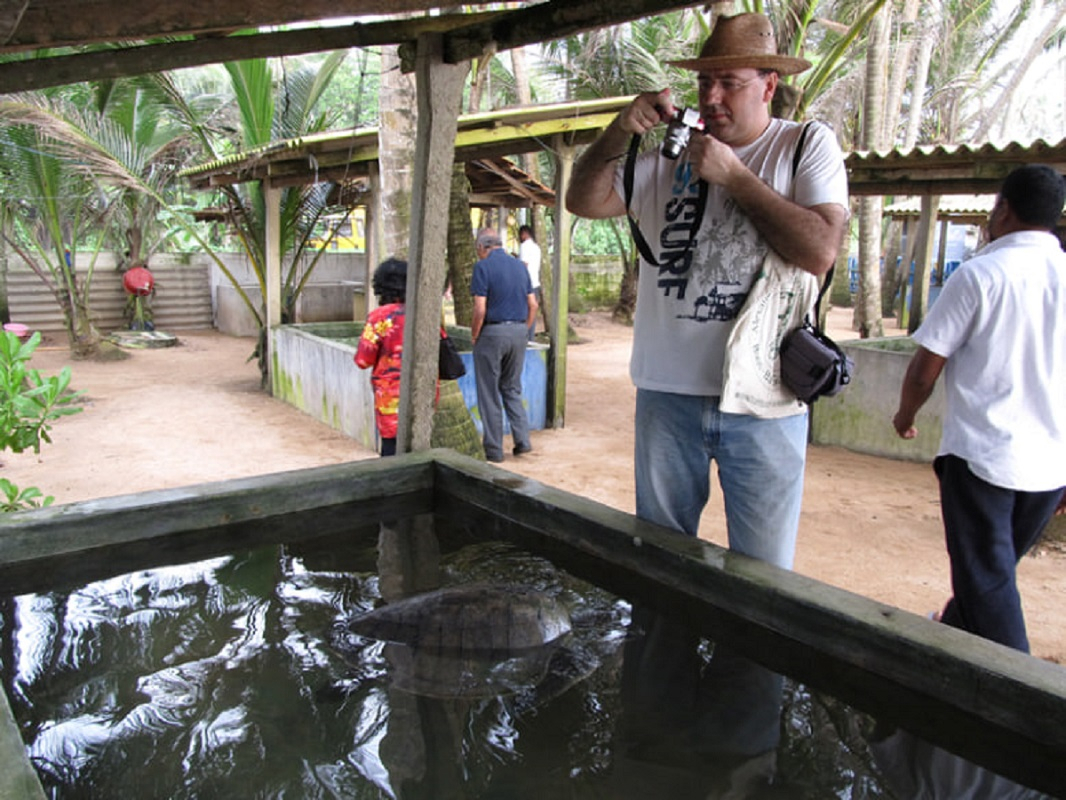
[893,263]
[396,137]
[868,309]
[5,308]
[900,67]
[1036,47]
[461,252]
[927,41]
[82,333]
[531,165]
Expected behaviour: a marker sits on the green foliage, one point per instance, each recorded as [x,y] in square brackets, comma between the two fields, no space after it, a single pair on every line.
[595,237]
[29,402]
[351,98]
[14,499]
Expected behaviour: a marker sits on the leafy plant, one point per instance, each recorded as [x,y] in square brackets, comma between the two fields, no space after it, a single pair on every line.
[14,499]
[29,403]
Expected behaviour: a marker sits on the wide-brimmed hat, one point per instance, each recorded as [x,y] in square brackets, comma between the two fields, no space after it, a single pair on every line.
[746,40]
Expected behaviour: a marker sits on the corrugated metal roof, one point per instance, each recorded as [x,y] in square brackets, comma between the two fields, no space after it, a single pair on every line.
[959,205]
[345,154]
[946,169]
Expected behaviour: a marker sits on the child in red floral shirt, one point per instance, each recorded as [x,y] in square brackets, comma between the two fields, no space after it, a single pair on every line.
[381,347]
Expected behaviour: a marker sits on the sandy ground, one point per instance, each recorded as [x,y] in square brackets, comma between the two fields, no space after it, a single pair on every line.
[194,413]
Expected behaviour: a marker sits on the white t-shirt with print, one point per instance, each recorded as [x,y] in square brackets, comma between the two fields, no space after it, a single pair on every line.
[1000,321]
[686,307]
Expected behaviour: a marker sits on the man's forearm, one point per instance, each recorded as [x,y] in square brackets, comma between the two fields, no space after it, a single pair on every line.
[806,237]
[477,322]
[591,191]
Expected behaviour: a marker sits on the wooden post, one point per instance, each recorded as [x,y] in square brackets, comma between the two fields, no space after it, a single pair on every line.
[942,250]
[560,305]
[374,233]
[439,89]
[923,258]
[272,301]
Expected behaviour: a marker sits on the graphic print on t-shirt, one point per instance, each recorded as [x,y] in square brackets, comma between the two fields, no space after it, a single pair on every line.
[709,280]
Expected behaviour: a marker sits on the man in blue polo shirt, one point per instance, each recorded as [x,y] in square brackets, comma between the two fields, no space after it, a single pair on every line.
[504,308]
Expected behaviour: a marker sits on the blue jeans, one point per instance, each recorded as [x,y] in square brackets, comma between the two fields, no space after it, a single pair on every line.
[988,529]
[760,469]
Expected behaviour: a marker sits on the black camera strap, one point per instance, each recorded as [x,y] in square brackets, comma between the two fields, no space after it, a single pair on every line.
[638,237]
[701,201]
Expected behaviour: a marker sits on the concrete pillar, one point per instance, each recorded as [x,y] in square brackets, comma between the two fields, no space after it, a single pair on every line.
[440,91]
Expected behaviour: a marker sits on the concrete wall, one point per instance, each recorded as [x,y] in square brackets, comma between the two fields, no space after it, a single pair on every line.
[191,293]
[182,300]
[313,368]
[860,417]
[318,375]
[337,285]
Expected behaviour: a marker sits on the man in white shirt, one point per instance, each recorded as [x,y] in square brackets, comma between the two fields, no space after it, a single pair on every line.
[998,334]
[529,254]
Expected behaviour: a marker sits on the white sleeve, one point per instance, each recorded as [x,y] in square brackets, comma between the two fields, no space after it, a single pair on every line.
[821,176]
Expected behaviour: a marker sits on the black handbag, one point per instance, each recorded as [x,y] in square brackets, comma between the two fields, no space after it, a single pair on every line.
[450,366]
[812,364]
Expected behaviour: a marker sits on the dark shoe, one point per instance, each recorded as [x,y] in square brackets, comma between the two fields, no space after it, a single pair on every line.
[495,459]
[522,449]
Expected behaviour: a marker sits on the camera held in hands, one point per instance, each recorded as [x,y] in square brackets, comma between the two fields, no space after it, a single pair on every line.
[679,129]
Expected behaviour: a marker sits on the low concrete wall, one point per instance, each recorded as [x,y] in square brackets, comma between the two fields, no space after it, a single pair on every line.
[313,368]
[860,417]
[336,288]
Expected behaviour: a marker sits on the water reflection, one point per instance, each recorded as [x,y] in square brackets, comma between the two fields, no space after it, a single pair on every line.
[698,720]
[914,769]
[239,676]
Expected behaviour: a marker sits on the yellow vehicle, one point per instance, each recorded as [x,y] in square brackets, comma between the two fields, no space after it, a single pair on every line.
[349,231]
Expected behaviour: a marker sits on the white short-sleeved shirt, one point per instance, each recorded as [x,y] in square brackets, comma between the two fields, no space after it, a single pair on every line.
[1000,322]
[687,307]
[529,252]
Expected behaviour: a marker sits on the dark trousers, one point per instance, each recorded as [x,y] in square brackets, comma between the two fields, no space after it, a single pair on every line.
[499,357]
[988,529]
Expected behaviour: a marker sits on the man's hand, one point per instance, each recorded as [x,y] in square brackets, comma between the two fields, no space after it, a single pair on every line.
[904,425]
[922,372]
[714,161]
[591,193]
[646,111]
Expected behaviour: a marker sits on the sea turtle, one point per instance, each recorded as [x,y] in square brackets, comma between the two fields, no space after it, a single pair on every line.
[476,640]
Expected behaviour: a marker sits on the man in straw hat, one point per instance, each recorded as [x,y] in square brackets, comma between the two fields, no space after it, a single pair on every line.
[689,297]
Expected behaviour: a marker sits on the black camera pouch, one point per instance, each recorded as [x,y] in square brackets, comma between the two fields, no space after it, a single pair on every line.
[813,365]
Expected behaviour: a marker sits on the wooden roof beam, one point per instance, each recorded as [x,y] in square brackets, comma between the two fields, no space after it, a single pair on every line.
[540,23]
[61,23]
[123,62]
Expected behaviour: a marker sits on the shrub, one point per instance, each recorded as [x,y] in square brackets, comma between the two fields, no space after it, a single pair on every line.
[29,403]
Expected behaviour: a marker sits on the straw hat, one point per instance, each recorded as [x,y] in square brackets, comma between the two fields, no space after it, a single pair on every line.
[746,40]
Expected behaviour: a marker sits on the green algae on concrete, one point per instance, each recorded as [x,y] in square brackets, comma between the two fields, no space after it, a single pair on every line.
[18,780]
[860,417]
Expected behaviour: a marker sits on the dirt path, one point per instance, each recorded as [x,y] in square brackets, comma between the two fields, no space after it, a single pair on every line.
[194,413]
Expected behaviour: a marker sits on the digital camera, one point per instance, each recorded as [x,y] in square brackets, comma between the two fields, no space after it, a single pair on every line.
[679,129]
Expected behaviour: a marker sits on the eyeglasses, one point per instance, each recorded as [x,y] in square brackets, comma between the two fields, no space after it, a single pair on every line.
[727,85]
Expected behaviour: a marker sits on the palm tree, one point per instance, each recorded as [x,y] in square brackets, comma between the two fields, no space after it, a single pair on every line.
[627,59]
[268,107]
[53,209]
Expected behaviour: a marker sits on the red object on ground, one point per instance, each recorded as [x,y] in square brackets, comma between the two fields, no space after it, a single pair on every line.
[17,328]
[138,281]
